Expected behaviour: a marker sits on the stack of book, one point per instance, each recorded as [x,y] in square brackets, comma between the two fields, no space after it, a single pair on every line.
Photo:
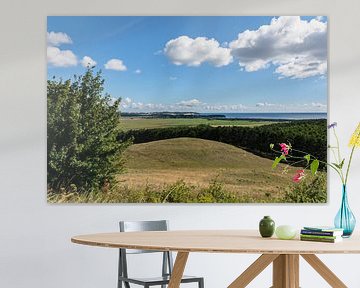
[321,234]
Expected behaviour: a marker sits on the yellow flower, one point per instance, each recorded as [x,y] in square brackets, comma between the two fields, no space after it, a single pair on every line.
[355,138]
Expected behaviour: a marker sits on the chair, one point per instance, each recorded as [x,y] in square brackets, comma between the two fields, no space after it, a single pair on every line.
[167,265]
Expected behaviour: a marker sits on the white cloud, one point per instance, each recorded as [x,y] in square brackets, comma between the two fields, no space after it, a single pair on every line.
[302,68]
[57,57]
[237,107]
[127,100]
[128,104]
[115,64]
[318,105]
[61,58]
[225,108]
[194,52]
[287,108]
[189,103]
[264,104]
[256,65]
[192,105]
[87,62]
[58,38]
[137,71]
[137,105]
[172,78]
[298,48]
[195,105]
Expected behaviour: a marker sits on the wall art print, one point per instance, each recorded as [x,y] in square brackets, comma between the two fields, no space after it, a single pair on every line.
[164,109]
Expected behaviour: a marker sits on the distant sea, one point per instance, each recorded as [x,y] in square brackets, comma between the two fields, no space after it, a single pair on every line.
[273,116]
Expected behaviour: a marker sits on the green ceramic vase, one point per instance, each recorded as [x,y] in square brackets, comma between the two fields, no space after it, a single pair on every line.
[267,227]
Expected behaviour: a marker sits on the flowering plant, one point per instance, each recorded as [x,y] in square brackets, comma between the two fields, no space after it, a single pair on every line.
[312,162]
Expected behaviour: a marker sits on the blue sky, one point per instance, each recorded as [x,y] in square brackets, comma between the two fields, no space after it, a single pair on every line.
[201,64]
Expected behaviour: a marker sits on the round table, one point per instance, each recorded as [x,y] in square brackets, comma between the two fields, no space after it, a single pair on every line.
[284,254]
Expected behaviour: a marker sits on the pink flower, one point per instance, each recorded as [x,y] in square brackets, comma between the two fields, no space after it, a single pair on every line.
[284,148]
[300,174]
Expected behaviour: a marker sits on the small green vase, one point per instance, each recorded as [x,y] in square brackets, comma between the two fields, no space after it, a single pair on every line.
[267,227]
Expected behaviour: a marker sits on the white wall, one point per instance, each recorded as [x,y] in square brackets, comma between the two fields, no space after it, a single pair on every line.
[35,248]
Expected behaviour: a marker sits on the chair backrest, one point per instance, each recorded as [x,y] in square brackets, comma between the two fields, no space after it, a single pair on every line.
[134,226]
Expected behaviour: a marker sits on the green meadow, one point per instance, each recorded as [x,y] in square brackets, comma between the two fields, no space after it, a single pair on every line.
[134,123]
[192,170]
[188,160]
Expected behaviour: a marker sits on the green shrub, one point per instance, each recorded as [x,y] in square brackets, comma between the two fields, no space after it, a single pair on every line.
[82,149]
[311,190]
[215,193]
[179,192]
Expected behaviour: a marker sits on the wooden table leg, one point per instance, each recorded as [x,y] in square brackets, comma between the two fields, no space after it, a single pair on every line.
[286,271]
[324,271]
[293,262]
[253,270]
[178,269]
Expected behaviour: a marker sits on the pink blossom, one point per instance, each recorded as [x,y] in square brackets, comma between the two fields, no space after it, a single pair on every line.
[300,174]
[284,148]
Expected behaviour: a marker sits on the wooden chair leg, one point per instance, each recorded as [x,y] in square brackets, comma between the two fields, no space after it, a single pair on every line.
[253,270]
[324,271]
[178,269]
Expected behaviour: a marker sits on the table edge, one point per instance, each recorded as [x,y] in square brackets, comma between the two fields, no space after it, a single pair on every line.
[204,250]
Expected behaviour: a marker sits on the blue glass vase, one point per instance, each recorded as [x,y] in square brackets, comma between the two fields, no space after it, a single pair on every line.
[345,219]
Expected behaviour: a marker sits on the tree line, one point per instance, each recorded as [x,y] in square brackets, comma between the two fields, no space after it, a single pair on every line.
[305,135]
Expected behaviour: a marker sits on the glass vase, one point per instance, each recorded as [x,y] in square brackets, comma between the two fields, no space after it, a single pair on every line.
[345,219]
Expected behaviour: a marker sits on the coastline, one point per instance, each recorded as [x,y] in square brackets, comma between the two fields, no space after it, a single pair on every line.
[270,116]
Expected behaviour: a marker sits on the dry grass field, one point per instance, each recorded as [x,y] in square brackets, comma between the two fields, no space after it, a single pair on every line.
[199,162]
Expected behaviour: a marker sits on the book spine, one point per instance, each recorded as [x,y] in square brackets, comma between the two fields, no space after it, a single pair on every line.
[319,236]
[320,233]
[318,239]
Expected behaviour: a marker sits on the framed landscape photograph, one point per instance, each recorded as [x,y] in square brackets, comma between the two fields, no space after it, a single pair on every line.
[180,109]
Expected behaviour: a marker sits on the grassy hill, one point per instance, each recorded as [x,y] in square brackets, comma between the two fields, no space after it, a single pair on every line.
[198,163]
[188,170]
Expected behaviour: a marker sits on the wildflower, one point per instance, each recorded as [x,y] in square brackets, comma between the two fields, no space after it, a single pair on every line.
[332,125]
[355,138]
[300,174]
[284,148]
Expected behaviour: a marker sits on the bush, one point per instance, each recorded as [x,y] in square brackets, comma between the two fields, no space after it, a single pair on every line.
[179,192]
[82,148]
[215,193]
[312,190]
